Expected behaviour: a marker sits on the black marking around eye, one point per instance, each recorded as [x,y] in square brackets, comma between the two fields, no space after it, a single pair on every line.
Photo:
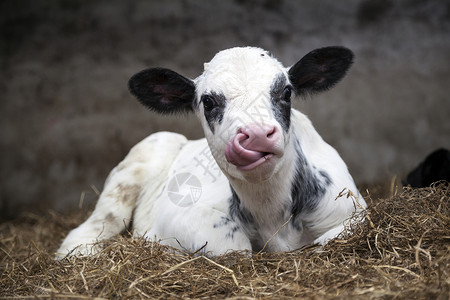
[215,115]
[281,108]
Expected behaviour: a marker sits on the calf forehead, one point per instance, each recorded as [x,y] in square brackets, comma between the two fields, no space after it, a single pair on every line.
[240,72]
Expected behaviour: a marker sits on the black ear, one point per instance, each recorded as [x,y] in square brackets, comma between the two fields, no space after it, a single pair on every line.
[163,90]
[320,69]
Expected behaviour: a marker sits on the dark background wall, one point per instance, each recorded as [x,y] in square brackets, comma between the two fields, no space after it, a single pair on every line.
[67,119]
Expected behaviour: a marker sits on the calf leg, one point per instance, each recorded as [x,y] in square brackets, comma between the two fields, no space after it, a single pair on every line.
[329,235]
[114,209]
[111,215]
[199,227]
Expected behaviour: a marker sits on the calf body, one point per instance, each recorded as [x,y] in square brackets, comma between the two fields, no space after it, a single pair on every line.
[262,178]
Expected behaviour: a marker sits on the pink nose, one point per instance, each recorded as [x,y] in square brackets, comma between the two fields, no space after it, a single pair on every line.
[258,137]
[252,146]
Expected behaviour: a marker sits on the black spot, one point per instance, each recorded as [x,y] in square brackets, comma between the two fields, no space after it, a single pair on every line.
[308,187]
[233,230]
[214,107]
[325,176]
[280,96]
[224,221]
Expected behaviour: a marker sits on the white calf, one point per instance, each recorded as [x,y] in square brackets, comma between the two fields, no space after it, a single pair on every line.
[262,178]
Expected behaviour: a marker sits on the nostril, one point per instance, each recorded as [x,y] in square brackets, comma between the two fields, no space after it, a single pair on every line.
[241,137]
[271,132]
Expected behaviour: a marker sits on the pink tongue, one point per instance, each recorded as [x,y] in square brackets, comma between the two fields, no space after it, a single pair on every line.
[237,153]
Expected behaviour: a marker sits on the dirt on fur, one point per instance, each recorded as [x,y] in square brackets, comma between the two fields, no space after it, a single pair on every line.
[401,251]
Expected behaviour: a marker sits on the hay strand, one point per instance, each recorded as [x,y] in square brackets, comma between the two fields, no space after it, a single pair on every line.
[402,251]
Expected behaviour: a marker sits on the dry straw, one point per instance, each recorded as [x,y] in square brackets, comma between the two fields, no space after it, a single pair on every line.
[401,251]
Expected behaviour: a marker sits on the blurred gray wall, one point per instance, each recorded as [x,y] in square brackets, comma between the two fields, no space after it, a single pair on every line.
[67,118]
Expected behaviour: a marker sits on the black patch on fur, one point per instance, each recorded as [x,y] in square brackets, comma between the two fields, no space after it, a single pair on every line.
[280,107]
[214,115]
[435,167]
[163,90]
[326,178]
[224,221]
[238,212]
[233,230]
[308,187]
[320,69]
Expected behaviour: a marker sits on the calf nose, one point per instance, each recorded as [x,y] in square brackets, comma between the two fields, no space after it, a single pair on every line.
[252,146]
[258,137]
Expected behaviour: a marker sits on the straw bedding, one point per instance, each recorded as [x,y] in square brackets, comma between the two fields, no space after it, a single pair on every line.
[402,250]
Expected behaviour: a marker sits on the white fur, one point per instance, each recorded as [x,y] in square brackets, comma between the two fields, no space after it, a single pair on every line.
[138,188]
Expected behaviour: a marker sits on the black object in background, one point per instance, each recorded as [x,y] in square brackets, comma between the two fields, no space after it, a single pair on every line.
[435,167]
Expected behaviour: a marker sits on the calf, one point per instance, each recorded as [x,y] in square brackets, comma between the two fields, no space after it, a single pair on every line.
[262,178]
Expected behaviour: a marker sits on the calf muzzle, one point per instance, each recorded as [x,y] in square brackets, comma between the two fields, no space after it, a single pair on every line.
[252,146]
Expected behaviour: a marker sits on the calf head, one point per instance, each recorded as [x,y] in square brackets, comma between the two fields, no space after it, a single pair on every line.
[243,100]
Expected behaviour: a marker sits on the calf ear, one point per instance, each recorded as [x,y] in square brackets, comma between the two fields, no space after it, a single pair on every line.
[320,69]
[163,90]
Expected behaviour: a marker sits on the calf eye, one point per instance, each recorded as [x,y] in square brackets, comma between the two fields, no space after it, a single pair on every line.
[287,94]
[208,102]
